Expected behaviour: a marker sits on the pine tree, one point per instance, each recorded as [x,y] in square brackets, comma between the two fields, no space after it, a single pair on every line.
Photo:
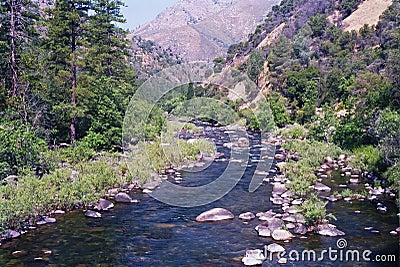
[66,40]
[107,42]
[17,28]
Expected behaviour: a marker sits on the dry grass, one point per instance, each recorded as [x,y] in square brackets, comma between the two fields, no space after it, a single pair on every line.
[367,13]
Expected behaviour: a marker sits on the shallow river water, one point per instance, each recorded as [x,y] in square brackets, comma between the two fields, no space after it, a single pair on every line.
[151,233]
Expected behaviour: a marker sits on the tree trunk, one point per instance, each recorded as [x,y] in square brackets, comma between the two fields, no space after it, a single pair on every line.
[73,85]
[13,36]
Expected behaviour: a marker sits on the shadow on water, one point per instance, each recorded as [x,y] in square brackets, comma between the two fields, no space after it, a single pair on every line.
[151,233]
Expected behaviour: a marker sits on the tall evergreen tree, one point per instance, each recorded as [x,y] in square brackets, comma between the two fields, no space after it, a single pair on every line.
[108,44]
[66,40]
[17,28]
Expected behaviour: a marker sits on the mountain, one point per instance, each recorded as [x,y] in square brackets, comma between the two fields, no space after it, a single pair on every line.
[204,29]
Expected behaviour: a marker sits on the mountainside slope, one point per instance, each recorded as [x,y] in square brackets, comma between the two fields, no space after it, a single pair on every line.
[204,29]
[367,13]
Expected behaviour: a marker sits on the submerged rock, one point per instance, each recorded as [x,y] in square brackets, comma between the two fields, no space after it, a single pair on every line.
[328,230]
[92,214]
[282,261]
[216,214]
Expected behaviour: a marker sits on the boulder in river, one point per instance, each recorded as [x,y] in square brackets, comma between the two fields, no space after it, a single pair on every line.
[151,185]
[328,230]
[49,220]
[263,231]
[300,229]
[274,248]
[10,234]
[123,198]
[279,189]
[104,204]
[216,214]
[275,224]
[322,187]
[92,214]
[247,216]
[281,235]
[253,257]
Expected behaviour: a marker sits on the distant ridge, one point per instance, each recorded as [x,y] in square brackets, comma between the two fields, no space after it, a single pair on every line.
[204,29]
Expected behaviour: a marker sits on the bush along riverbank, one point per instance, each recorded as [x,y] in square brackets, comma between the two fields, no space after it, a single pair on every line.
[79,178]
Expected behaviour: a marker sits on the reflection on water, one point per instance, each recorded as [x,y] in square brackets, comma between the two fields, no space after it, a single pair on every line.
[151,233]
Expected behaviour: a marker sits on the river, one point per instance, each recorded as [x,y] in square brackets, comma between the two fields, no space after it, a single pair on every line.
[151,233]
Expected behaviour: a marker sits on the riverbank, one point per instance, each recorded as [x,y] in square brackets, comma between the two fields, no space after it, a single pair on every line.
[82,177]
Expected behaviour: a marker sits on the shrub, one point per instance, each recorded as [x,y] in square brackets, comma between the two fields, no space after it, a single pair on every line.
[295,131]
[367,158]
[314,211]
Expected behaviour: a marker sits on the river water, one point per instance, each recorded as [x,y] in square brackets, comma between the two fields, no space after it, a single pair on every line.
[151,233]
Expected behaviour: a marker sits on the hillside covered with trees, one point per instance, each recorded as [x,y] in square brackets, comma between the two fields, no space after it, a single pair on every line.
[341,87]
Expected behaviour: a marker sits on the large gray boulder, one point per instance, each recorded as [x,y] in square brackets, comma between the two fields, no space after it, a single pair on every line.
[123,198]
[10,234]
[216,214]
[282,235]
[104,204]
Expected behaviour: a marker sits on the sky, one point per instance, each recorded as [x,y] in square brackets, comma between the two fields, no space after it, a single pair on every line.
[139,12]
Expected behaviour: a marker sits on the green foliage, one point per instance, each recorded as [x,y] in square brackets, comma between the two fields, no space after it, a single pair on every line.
[277,104]
[20,147]
[295,131]
[150,158]
[393,176]
[388,132]
[348,6]
[62,189]
[255,64]
[367,158]
[323,126]
[318,24]
[349,134]
[314,211]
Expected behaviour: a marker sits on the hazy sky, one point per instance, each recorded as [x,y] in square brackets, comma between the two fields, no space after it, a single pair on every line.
[140,11]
